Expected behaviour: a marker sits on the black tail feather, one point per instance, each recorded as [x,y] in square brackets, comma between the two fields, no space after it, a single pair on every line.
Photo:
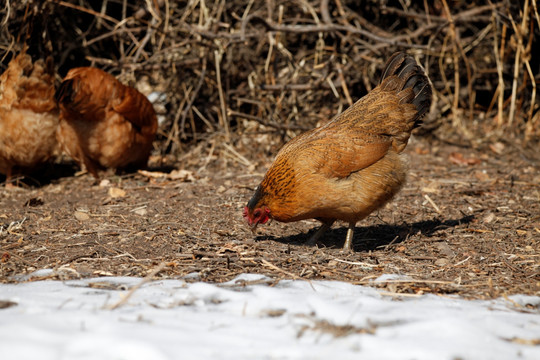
[412,76]
[64,93]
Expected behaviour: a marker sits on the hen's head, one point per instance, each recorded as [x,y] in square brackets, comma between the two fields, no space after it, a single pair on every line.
[256,212]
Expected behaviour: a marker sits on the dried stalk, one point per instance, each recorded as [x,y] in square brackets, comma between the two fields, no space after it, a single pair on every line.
[223,119]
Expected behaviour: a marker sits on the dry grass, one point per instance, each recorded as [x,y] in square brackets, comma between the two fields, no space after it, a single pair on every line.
[234,68]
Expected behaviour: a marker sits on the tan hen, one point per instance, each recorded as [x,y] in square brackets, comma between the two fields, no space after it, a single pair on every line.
[351,166]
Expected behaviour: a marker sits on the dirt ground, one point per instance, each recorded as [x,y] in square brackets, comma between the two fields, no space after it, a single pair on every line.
[467,222]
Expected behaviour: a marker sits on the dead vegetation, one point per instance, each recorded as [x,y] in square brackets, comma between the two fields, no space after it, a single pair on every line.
[233,80]
[229,68]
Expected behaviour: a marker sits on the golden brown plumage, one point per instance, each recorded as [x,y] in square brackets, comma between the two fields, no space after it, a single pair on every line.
[351,166]
[28,115]
[103,123]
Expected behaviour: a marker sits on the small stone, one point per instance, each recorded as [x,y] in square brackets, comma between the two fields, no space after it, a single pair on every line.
[115,192]
[81,216]
[441,262]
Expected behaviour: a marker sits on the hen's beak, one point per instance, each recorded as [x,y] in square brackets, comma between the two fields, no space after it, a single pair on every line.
[254,227]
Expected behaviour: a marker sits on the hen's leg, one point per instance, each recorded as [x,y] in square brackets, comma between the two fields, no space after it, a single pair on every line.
[325,226]
[9,173]
[348,246]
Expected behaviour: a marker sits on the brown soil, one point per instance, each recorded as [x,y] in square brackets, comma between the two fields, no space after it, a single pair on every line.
[467,222]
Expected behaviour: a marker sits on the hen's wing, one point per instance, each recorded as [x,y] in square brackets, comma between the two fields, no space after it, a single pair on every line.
[334,153]
[136,109]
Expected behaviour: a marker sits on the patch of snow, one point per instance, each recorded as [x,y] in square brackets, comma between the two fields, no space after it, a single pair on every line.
[252,317]
[390,277]
[33,275]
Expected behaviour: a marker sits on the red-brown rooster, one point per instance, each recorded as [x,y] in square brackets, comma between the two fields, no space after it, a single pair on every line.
[28,115]
[351,166]
[103,123]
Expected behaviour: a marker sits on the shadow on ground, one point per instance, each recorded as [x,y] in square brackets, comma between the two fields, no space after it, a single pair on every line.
[42,175]
[46,174]
[372,237]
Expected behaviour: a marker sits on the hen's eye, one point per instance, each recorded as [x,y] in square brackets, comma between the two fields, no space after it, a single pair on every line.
[257,213]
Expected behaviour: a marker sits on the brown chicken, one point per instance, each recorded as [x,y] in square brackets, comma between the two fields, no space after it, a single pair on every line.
[103,123]
[28,115]
[351,166]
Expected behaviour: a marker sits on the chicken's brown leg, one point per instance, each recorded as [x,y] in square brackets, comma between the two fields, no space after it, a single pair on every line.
[348,246]
[325,226]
